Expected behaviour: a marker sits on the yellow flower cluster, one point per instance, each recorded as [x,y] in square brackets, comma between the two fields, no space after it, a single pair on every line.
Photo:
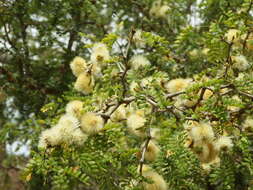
[139,61]
[205,145]
[158,9]
[87,72]
[65,132]
[136,126]
[72,127]
[158,183]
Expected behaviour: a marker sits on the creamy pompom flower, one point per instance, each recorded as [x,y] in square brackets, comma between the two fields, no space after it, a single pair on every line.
[208,166]
[96,70]
[155,133]
[69,120]
[67,131]
[188,125]
[248,124]
[91,123]
[69,128]
[74,108]
[78,137]
[205,51]
[152,151]
[162,11]
[158,183]
[224,142]
[135,124]
[202,132]
[177,85]
[158,9]
[66,126]
[139,61]
[138,39]
[78,65]
[100,53]
[155,8]
[50,137]
[240,63]
[194,53]
[232,35]
[84,83]
[203,151]
[119,114]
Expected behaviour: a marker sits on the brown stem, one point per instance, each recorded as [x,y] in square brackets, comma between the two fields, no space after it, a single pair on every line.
[144,149]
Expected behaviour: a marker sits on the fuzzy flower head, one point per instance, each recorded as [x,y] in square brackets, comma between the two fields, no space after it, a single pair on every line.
[155,8]
[96,70]
[152,151]
[189,125]
[162,11]
[74,108]
[158,183]
[78,137]
[194,53]
[177,85]
[155,133]
[69,129]
[66,125]
[135,123]
[91,123]
[202,133]
[84,83]
[203,151]
[224,143]
[100,53]
[138,40]
[232,35]
[205,51]
[158,9]
[78,65]
[208,166]
[69,120]
[240,63]
[248,124]
[139,61]
[50,137]
[119,114]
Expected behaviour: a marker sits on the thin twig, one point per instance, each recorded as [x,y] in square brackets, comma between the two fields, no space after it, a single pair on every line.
[174,94]
[246,94]
[144,149]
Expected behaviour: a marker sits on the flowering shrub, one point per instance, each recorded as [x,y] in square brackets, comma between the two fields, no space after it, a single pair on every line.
[154,112]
